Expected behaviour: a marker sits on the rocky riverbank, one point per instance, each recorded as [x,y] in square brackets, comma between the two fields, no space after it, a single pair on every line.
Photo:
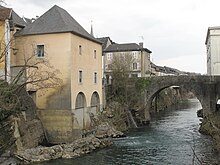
[19,126]
[77,148]
[100,139]
[211,126]
[22,135]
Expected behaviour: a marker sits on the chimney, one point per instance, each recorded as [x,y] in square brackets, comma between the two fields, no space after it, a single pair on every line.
[141,44]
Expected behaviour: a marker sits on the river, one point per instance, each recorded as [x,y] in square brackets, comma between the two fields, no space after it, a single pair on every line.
[169,139]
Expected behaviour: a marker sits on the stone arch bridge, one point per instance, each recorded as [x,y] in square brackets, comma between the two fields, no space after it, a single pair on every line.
[205,88]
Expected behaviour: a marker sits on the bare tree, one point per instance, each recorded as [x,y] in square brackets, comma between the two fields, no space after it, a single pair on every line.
[121,70]
[33,74]
[36,73]
[123,88]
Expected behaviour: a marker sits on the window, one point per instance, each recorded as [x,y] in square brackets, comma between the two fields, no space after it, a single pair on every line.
[80,49]
[135,56]
[134,75]
[95,77]
[134,66]
[94,54]
[40,50]
[109,56]
[80,76]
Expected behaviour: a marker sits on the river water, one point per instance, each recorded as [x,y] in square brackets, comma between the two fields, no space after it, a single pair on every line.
[169,139]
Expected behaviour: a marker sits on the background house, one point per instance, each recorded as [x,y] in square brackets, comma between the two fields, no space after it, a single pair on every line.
[157,70]
[140,66]
[56,36]
[213,50]
[106,41]
[10,23]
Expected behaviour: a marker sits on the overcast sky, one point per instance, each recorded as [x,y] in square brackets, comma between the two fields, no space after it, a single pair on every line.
[174,30]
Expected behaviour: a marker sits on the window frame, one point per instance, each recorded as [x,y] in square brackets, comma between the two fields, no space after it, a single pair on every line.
[39,48]
[109,56]
[80,78]
[95,77]
[80,49]
[95,53]
[135,66]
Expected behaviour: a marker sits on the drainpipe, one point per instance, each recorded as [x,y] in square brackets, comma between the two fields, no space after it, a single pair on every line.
[7,51]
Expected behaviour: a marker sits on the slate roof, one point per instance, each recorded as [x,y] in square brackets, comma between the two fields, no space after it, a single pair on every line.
[17,20]
[125,47]
[8,13]
[56,20]
[104,41]
[27,20]
[167,70]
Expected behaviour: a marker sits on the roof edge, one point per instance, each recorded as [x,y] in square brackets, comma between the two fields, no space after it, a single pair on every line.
[126,50]
[208,32]
[19,35]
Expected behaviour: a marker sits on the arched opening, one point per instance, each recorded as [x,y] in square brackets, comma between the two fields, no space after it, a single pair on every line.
[80,111]
[173,94]
[95,103]
[80,101]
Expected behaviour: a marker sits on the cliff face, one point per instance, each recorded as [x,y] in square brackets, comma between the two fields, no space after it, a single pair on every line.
[22,129]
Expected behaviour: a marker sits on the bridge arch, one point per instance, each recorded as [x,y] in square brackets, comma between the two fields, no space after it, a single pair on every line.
[203,87]
[154,95]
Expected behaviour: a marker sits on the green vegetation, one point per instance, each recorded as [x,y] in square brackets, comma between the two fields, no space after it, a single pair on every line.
[125,91]
[142,83]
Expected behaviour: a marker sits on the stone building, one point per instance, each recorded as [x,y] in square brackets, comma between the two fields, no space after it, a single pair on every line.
[65,111]
[213,50]
[140,66]
[157,70]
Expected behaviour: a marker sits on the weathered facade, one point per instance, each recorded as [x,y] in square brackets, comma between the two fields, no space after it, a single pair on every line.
[56,36]
[212,46]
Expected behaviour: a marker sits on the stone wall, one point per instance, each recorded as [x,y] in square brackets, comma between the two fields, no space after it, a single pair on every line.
[59,126]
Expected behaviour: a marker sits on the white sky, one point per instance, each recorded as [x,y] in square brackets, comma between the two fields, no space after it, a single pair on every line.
[174,30]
